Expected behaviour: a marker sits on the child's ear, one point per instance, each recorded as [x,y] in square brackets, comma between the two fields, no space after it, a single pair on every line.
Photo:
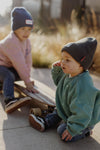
[81,68]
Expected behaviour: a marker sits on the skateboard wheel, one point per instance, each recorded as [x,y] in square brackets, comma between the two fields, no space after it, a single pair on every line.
[36,111]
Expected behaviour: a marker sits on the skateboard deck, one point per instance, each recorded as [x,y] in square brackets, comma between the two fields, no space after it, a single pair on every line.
[45,95]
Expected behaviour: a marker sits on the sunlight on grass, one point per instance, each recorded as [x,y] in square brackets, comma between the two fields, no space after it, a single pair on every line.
[96,64]
[4,31]
[46,48]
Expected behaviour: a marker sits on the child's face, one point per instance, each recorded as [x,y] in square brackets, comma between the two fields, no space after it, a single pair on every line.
[70,65]
[23,33]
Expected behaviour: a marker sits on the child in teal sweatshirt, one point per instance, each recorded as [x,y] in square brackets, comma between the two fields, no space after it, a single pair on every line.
[77,100]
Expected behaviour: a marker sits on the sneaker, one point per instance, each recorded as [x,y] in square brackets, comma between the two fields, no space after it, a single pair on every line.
[15,103]
[10,101]
[37,122]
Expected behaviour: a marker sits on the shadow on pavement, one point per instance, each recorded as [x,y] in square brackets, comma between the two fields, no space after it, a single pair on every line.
[16,133]
[25,137]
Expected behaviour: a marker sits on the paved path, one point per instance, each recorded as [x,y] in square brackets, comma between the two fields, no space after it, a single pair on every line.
[16,133]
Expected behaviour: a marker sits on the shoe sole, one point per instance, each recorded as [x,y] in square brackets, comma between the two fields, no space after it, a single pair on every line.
[18,104]
[35,123]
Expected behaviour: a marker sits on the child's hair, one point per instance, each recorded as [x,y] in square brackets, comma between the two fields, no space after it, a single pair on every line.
[20,17]
[82,51]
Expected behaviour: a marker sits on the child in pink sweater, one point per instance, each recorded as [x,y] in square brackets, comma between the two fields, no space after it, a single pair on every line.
[15,55]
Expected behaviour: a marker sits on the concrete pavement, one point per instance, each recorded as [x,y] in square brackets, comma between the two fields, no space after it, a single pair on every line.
[16,133]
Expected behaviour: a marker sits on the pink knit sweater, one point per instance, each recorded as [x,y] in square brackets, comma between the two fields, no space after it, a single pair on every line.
[17,54]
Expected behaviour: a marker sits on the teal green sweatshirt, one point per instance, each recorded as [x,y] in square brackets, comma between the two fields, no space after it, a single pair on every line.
[77,100]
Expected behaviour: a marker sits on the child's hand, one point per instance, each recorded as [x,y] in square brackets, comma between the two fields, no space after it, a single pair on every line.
[29,87]
[57,63]
[66,135]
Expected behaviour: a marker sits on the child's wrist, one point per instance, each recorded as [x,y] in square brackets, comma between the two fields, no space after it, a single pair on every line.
[27,82]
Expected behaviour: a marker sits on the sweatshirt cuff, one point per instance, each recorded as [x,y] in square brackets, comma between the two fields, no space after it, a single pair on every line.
[56,69]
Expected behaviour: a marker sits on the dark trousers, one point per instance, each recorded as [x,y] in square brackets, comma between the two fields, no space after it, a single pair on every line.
[53,120]
[7,78]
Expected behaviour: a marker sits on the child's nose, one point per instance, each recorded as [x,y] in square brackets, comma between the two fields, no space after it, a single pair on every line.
[27,32]
[63,61]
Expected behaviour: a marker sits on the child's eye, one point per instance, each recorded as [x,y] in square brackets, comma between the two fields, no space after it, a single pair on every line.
[67,60]
[22,28]
[29,29]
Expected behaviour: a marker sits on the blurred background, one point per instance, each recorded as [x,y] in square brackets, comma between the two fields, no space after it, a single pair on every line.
[56,22]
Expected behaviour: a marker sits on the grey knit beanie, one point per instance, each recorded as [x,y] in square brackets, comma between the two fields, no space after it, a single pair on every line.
[82,51]
[20,17]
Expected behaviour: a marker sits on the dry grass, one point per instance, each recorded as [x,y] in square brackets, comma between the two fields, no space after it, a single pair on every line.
[46,48]
[96,61]
[4,31]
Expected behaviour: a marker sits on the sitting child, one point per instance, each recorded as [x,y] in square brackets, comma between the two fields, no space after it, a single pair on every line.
[77,100]
[15,56]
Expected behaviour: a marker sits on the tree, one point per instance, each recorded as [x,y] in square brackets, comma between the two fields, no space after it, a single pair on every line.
[45,11]
[17,3]
[67,7]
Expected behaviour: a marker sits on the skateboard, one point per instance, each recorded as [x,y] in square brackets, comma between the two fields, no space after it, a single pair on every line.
[44,99]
